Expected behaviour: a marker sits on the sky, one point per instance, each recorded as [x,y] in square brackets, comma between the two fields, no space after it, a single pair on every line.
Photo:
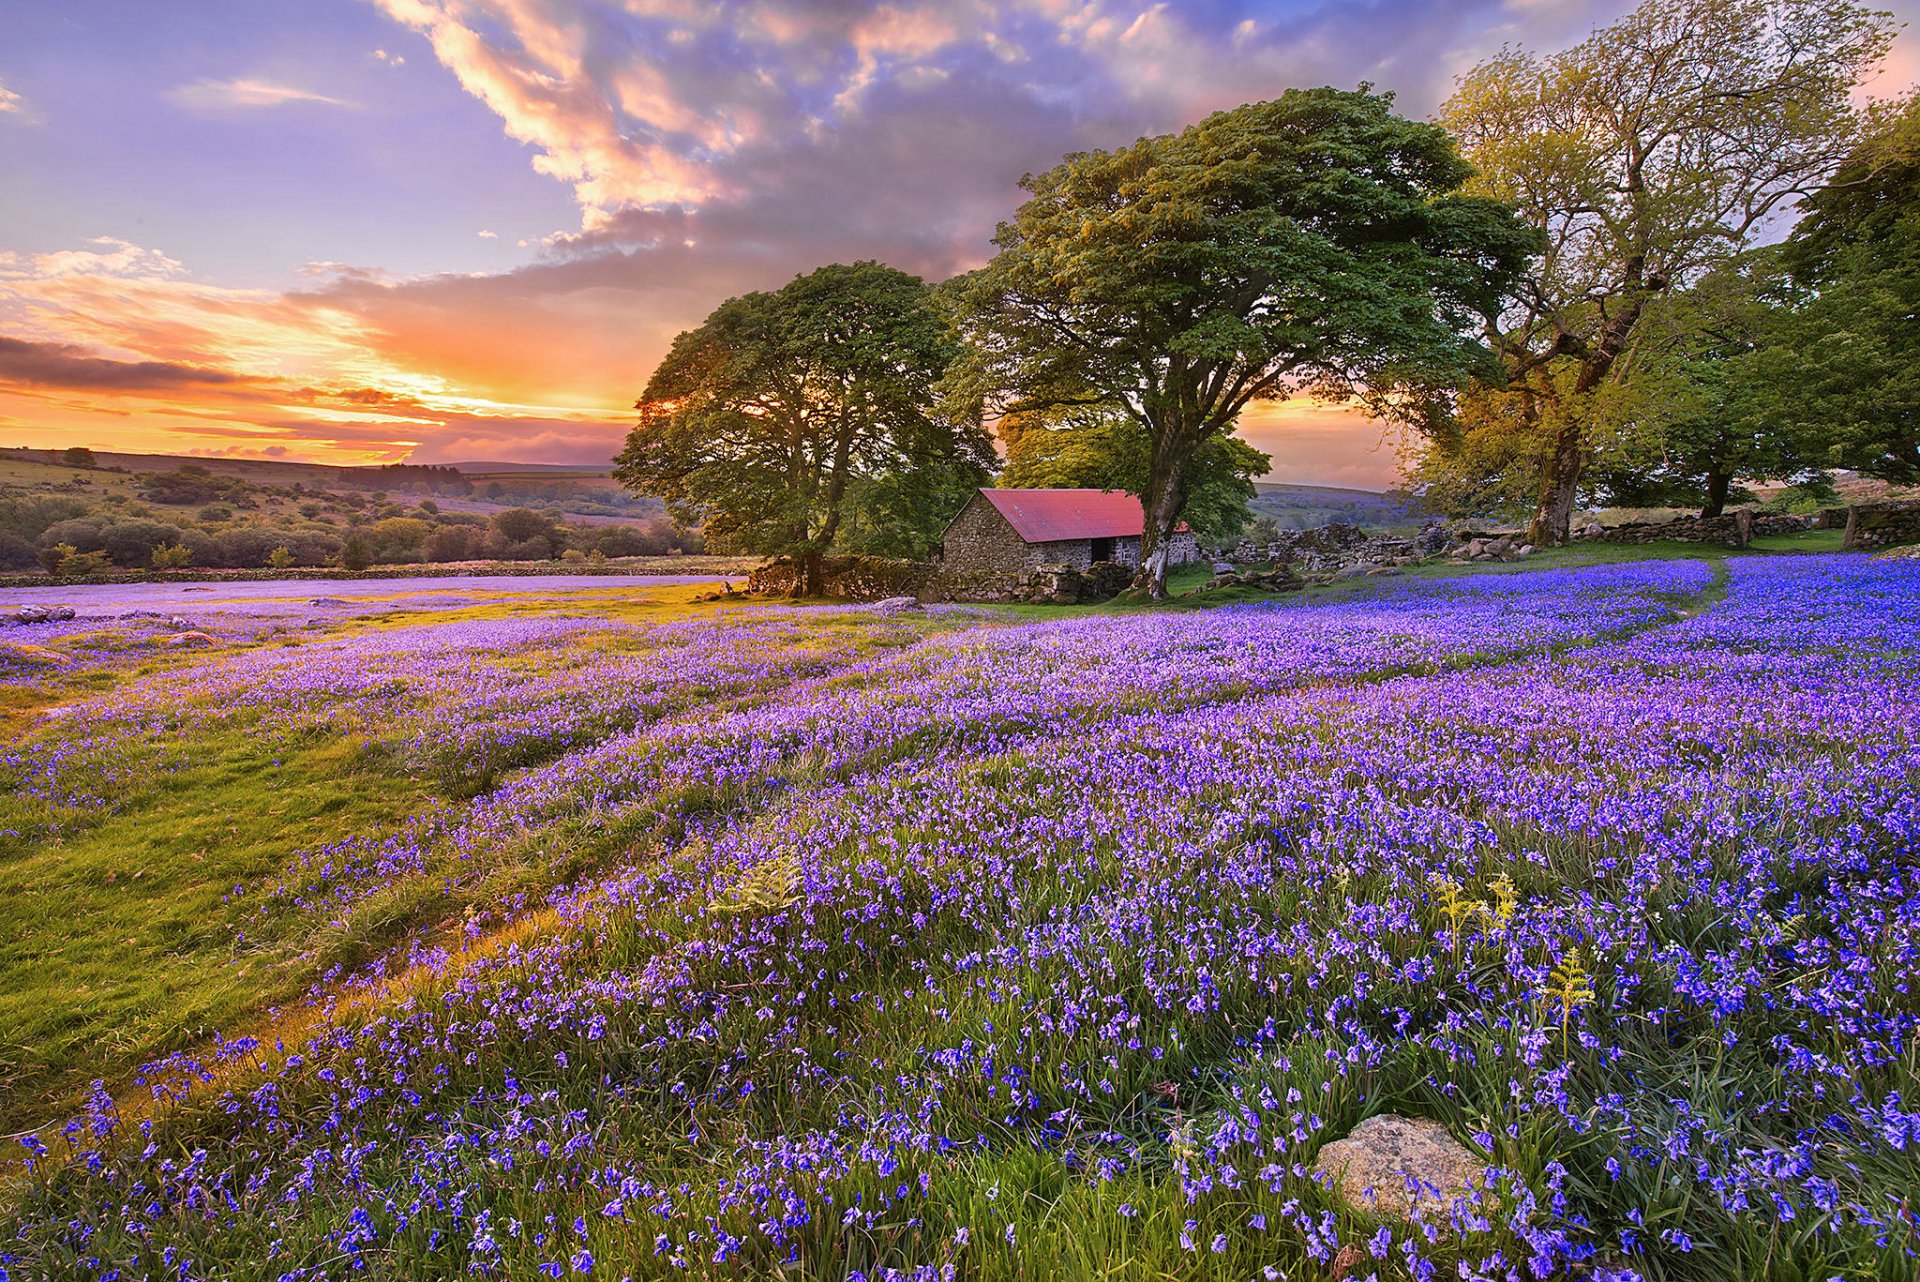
[357,231]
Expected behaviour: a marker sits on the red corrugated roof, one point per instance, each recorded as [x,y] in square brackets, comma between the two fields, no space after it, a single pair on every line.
[1047,516]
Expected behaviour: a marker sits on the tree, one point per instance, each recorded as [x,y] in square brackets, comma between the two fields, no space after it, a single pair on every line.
[1314,244]
[355,553]
[1109,451]
[1655,149]
[78,456]
[1845,366]
[172,556]
[1701,412]
[784,410]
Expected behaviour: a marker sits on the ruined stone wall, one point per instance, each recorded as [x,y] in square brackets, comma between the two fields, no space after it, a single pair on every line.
[1882,525]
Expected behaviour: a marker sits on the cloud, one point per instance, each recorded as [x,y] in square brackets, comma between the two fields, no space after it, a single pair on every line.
[391,59]
[484,234]
[229,95]
[107,256]
[11,104]
[68,365]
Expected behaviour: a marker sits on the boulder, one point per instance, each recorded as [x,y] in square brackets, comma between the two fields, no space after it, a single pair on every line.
[1380,570]
[178,623]
[31,614]
[1373,1167]
[187,640]
[1222,567]
[326,600]
[895,604]
[1525,549]
[1351,572]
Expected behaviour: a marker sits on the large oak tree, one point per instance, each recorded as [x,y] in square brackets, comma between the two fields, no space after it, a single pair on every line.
[783,411]
[1317,243]
[1658,147]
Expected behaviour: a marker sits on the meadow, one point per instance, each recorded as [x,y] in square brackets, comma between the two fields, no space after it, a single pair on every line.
[617,935]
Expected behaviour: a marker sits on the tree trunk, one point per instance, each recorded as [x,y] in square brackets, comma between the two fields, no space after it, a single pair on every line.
[1559,482]
[1161,505]
[1718,484]
[813,581]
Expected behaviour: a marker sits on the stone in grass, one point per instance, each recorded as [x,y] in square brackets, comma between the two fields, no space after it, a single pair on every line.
[1372,1168]
[185,640]
[32,656]
[895,604]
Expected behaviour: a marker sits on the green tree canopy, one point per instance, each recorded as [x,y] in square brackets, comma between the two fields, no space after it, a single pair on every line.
[1844,371]
[1108,450]
[792,417]
[1651,151]
[1314,244]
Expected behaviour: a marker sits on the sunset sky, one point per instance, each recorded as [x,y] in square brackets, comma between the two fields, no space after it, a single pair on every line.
[466,229]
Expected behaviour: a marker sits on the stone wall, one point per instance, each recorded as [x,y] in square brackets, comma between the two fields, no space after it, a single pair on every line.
[872,578]
[1734,529]
[979,538]
[1882,525]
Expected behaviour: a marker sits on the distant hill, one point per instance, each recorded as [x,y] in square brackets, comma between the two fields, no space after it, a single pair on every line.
[488,467]
[1302,507]
[585,495]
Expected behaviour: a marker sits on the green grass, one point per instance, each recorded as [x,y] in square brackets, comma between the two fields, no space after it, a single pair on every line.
[117,945]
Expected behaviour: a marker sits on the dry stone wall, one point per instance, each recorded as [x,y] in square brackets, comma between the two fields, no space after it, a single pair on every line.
[868,578]
[1882,525]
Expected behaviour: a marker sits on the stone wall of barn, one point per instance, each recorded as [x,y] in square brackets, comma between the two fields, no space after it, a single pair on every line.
[979,538]
[1882,525]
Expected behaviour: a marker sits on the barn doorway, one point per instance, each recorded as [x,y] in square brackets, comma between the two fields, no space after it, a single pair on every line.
[1101,550]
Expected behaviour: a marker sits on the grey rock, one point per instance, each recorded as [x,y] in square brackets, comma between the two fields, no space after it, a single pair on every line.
[1373,1167]
[326,600]
[186,640]
[1222,567]
[1351,572]
[178,623]
[895,604]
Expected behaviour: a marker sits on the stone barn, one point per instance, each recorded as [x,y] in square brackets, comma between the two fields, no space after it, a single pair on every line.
[1015,531]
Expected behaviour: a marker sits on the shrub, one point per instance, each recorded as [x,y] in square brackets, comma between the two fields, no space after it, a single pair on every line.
[523,525]
[280,558]
[82,533]
[537,548]
[68,561]
[131,543]
[247,547]
[355,552]
[29,518]
[215,513]
[172,556]
[16,553]
[452,543]
[574,556]
[78,456]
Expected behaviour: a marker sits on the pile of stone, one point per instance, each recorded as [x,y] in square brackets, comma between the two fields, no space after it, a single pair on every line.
[1327,549]
[39,614]
[1493,547]
[1065,585]
[1279,579]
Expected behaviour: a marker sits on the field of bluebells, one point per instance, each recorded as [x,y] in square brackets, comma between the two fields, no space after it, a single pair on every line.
[819,943]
